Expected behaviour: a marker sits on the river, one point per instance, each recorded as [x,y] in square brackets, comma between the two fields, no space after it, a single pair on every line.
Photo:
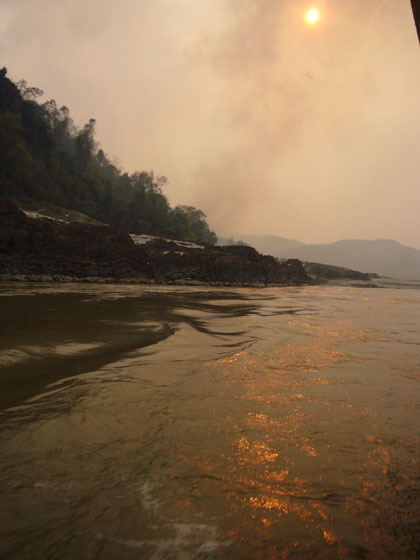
[163,423]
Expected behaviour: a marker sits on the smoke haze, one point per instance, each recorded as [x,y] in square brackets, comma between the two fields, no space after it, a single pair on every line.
[267,124]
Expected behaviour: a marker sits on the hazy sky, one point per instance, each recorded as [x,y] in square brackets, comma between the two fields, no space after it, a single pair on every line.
[266,123]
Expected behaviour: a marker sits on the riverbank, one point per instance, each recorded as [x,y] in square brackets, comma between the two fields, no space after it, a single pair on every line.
[38,249]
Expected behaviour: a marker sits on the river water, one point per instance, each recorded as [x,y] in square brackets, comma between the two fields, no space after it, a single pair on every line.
[196,423]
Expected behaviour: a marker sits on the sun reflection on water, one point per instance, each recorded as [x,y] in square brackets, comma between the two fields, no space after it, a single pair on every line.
[300,464]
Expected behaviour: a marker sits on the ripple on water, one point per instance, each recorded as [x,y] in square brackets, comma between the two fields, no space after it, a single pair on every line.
[211,424]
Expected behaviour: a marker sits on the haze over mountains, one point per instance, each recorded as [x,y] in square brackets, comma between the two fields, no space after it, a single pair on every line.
[381,256]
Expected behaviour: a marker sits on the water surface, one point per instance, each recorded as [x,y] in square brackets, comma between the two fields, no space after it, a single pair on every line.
[190,423]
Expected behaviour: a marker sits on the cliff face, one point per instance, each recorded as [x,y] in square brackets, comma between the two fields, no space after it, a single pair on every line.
[42,249]
[234,265]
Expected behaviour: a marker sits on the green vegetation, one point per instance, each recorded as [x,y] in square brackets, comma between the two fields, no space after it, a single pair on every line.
[47,158]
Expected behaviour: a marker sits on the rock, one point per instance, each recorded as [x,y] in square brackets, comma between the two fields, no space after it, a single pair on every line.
[44,247]
[45,250]
[229,265]
[330,272]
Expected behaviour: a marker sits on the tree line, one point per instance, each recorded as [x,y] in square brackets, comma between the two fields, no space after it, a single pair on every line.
[46,157]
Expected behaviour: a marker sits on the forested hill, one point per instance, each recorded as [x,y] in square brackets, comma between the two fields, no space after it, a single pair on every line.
[47,158]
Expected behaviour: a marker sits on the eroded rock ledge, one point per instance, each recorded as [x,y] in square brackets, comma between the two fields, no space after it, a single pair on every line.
[37,249]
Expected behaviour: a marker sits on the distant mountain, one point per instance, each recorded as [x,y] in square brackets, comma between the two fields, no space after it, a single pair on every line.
[269,244]
[382,256]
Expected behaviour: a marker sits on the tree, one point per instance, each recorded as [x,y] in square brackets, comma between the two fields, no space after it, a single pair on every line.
[28,93]
[10,99]
[85,144]
[44,156]
[197,225]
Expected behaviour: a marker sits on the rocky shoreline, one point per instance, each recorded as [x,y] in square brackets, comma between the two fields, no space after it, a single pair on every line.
[44,250]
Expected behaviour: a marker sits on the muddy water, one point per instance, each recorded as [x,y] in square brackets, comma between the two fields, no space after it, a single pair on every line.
[174,423]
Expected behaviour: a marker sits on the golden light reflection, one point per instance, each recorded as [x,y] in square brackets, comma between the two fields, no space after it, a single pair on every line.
[258,452]
[339,332]
[263,488]
[282,506]
[292,398]
[290,358]
[329,537]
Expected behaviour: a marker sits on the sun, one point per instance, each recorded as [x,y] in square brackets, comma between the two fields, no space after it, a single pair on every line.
[312,16]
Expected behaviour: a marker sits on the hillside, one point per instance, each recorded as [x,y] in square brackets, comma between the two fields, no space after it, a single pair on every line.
[382,256]
[268,244]
[46,158]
